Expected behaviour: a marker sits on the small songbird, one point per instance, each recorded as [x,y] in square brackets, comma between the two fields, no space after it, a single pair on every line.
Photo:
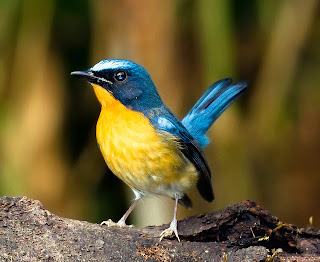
[144,144]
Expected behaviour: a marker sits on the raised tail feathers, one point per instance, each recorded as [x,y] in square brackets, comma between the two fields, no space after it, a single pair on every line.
[210,106]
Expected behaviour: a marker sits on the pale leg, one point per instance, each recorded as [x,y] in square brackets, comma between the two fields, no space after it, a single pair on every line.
[122,221]
[173,224]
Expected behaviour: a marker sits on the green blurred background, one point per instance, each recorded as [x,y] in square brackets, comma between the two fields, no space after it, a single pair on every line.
[265,147]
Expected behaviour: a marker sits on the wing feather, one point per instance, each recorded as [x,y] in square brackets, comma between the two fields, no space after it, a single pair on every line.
[192,151]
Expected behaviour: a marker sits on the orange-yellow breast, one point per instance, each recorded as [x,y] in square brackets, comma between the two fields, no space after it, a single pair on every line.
[146,160]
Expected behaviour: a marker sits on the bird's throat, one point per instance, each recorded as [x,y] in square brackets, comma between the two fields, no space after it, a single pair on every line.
[105,97]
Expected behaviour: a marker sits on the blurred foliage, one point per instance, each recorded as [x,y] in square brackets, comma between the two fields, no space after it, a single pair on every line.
[265,147]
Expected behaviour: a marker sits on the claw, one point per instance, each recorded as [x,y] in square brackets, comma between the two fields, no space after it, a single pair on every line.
[110,223]
[172,229]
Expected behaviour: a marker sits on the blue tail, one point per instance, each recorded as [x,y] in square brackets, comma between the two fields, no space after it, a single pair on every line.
[210,106]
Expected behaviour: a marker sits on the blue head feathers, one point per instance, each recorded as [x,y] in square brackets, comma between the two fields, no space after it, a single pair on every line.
[128,82]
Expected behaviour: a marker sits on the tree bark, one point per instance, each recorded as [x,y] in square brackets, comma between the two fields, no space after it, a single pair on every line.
[241,232]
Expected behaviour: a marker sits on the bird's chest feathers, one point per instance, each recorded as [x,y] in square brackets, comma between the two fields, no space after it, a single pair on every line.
[122,133]
[121,130]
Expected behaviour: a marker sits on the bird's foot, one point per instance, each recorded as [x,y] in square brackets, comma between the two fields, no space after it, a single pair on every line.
[172,229]
[110,223]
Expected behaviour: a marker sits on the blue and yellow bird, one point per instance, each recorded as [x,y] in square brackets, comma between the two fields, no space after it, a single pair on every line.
[144,144]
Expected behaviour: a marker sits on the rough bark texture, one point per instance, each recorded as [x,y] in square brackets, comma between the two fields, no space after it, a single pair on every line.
[241,232]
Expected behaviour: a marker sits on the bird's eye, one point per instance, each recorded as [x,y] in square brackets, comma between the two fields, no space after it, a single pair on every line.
[120,75]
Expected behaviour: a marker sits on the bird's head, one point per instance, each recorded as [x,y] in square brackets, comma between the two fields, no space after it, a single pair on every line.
[122,80]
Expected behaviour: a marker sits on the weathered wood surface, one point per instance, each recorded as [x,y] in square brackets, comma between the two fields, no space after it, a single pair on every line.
[241,232]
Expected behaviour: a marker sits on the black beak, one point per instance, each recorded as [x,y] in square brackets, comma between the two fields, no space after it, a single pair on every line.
[91,77]
[84,74]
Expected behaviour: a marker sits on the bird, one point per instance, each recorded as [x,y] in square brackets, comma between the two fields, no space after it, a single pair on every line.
[144,144]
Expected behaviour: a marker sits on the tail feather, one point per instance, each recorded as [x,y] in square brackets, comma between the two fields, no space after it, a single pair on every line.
[213,89]
[210,106]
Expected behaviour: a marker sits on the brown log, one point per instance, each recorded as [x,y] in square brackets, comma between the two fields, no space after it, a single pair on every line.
[241,232]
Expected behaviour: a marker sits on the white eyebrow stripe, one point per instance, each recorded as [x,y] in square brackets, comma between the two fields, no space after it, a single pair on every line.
[111,64]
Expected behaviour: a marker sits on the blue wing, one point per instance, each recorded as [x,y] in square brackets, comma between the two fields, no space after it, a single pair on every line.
[191,150]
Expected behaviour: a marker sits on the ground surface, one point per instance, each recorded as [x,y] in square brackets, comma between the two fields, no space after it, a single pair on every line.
[241,232]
